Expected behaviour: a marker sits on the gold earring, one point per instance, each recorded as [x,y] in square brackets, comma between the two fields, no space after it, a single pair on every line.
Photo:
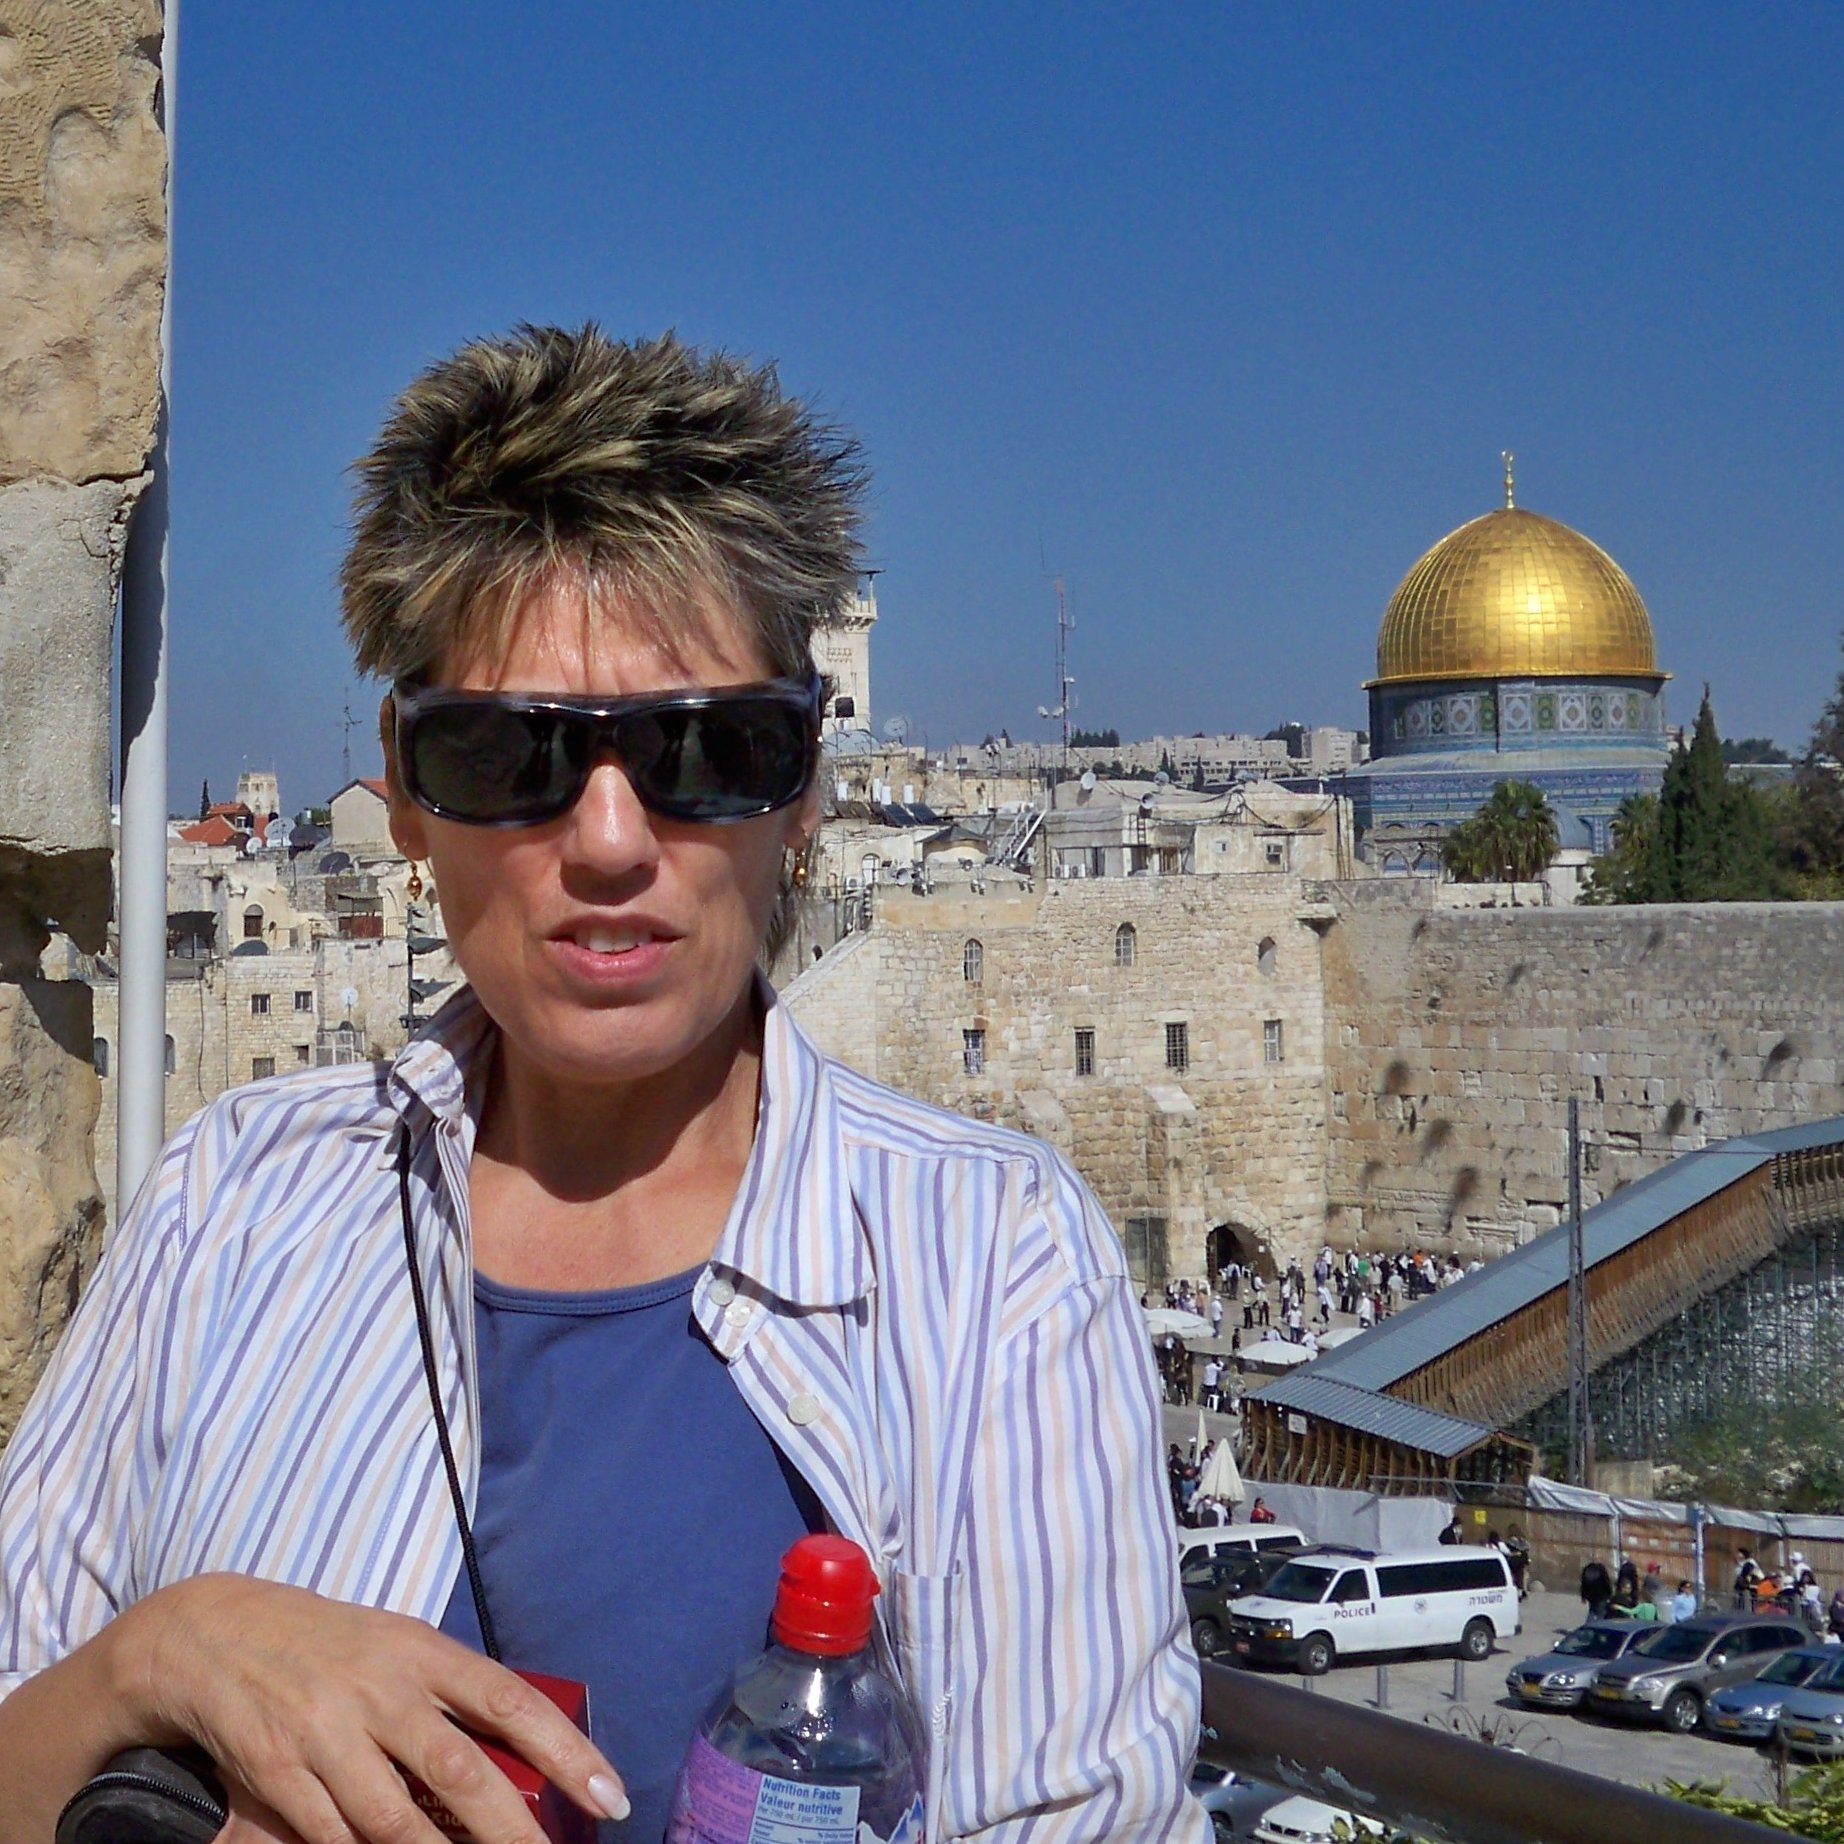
[413,884]
[798,877]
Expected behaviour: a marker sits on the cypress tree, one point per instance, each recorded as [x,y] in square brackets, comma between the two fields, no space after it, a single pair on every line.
[204,797]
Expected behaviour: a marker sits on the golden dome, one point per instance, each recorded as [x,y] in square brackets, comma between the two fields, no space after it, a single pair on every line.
[1515,595]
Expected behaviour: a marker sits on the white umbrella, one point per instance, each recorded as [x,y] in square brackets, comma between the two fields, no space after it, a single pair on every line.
[1338,1335]
[1163,1319]
[1203,1438]
[1275,1353]
[1220,1479]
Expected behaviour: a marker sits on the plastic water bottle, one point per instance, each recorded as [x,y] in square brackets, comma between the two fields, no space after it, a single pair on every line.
[811,1743]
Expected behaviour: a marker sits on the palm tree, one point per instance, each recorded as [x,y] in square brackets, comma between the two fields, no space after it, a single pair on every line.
[1511,839]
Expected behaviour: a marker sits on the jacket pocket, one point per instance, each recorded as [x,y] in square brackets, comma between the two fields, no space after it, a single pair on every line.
[923,1619]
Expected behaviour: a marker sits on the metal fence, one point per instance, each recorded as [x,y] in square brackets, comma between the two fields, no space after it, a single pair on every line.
[1443,1787]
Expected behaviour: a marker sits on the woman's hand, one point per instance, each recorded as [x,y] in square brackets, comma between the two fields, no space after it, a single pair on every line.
[309,1707]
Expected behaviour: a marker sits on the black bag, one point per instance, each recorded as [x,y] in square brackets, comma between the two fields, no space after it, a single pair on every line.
[147,1796]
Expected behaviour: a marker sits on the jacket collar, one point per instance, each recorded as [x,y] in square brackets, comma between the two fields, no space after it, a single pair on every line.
[792,1231]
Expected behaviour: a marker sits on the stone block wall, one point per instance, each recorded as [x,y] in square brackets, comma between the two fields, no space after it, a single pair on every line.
[83,267]
[1231,1140]
[1455,1038]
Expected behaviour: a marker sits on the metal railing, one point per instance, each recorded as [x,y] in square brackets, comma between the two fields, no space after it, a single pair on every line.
[1443,1787]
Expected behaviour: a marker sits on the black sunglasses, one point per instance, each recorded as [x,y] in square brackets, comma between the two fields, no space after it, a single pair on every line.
[726,752]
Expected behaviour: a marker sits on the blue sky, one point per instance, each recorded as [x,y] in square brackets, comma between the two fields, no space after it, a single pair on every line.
[1223,313]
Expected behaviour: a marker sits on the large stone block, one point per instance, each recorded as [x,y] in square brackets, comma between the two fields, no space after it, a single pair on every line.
[60,561]
[51,1214]
[82,236]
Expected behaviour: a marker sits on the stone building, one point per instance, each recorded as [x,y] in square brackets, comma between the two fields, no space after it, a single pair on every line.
[1261,1063]
[83,254]
[1165,1033]
[842,653]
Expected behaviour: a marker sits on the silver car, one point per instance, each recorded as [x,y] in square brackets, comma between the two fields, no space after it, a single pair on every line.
[1560,1677]
[1811,1720]
[1668,1673]
[1747,1712]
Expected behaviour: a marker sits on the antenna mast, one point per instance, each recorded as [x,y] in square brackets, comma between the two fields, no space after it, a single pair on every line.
[346,725]
[1065,703]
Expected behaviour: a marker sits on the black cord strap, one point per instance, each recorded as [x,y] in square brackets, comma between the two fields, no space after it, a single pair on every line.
[487,1636]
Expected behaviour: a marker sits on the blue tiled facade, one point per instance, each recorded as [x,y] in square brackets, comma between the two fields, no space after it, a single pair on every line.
[1439,747]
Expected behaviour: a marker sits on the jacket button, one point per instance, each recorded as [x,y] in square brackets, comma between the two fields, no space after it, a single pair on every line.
[722,1293]
[740,1312]
[803,1409]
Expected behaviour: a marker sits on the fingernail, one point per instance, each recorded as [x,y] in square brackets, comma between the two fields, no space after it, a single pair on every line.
[606,1791]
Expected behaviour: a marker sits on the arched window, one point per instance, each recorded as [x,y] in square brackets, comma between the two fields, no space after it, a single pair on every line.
[973,962]
[1264,957]
[99,1055]
[1126,944]
[171,1059]
[253,923]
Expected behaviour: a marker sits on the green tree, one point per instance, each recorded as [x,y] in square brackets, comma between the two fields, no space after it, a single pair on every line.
[1814,1807]
[1511,839]
[1813,838]
[204,798]
[1713,842]
[1619,874]
[1753,749]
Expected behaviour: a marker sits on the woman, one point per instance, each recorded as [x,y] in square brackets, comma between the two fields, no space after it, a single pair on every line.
[547,1339]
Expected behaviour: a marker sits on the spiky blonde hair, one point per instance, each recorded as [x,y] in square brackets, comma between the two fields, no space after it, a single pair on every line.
[668,477]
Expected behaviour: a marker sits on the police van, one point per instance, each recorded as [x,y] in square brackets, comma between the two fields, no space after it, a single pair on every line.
[1328,1604]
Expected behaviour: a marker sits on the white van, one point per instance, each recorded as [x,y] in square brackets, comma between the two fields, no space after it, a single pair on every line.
[1238,1540]
[1332,1603]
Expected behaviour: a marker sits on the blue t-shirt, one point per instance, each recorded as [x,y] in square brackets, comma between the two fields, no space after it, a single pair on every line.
[631,1518]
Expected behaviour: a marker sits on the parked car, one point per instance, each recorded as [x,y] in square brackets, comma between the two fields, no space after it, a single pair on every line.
[1300,1820]
[1668,1674]
[1238,1540]
[1212,1583]
[1328,1603]
[1748,1711]
[1559,1678]
[1235,1803]
[1811,1720]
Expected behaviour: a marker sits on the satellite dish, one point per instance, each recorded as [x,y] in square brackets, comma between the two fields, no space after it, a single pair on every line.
[349,998]
[1162,779]
[1088,779]
[896,728]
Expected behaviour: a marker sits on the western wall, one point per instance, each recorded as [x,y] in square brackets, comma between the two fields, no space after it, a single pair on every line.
[83,251]
[1427,1053]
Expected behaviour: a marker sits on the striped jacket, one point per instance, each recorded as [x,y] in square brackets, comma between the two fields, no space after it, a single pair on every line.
[930,1315]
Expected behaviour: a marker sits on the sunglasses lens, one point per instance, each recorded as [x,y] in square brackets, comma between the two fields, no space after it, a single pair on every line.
[493,766]
[724,761]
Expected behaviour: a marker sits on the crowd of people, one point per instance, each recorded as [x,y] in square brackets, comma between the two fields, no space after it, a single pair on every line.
[1628,1594]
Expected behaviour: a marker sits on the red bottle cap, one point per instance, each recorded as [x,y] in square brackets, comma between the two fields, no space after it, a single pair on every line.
[823,1603]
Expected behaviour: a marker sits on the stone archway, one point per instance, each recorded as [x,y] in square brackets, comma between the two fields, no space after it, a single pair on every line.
[1233,1241]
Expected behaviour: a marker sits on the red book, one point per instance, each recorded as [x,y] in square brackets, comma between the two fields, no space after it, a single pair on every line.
[561,1819]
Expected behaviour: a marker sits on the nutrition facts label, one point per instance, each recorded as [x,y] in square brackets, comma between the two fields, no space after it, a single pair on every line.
[722,1802]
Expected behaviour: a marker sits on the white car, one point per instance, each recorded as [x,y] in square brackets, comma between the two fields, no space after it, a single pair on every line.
[1238,1540]
[1300,1820]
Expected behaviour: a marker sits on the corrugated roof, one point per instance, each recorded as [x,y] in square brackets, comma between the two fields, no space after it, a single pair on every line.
[1427,1430]
[1432,1327]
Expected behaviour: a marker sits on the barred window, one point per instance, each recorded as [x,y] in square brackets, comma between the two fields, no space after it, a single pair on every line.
[1178,1046]
[1085,1051]
[973,1051]
[259,1005]
[261,1066]
[1272,1044]
[1125,944]
[304,1002]
[973,962]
